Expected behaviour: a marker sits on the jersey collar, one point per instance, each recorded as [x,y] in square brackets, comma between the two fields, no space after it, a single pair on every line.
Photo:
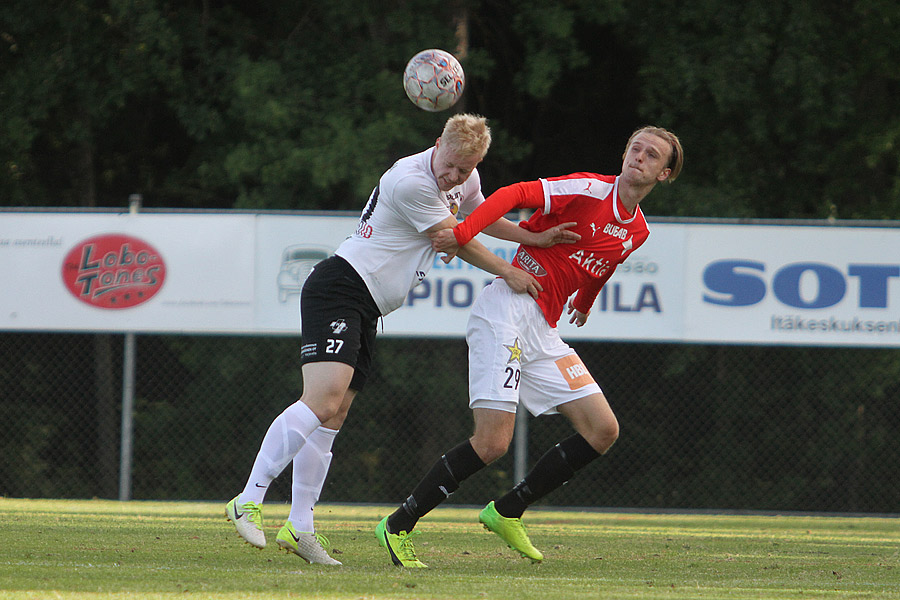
[619,208]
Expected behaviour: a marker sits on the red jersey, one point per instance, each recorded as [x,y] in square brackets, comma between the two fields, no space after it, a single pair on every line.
[609,234]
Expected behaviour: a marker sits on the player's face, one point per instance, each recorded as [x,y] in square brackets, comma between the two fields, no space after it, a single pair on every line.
[646,159]
[449,168]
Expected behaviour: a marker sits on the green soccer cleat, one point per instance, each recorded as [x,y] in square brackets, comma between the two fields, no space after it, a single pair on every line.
[247,519]
[511,531]
[399,546]
[307,545]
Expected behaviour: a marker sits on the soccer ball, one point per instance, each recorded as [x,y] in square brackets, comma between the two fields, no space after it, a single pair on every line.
[434,80]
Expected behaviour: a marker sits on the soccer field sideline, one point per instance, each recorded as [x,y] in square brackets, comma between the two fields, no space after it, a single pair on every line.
[140,549]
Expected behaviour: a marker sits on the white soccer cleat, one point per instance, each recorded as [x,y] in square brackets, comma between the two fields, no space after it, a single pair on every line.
[306,545]
[247,519]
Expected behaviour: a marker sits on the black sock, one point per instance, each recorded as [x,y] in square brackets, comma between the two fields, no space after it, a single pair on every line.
[441,480]
[553,469]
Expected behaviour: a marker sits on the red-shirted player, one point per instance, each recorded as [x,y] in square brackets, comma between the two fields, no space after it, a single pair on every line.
[515,351]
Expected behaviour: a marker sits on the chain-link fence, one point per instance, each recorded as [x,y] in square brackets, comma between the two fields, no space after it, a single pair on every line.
[702,426]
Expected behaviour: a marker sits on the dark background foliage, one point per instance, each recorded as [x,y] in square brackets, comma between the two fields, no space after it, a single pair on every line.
[786,109]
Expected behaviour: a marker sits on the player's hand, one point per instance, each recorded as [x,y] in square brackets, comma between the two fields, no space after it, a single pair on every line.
[521,282]
[444,241]
[578,317]
[558,234]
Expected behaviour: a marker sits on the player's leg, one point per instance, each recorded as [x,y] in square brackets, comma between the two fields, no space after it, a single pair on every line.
[596,431]
[494,424]
[353,341]
[324,386]
[493,432]
[553,380]
[337,314]
[283,440]
[442,479]
[310,468]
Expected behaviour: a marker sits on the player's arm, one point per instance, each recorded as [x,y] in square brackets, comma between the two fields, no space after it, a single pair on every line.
[489,218]
[504,229]
[475,253]
[579,306]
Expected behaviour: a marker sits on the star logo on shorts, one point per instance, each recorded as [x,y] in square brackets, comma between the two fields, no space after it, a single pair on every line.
[515,353]
[339,326]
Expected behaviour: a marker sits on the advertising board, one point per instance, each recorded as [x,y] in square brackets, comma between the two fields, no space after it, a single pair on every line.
[241,273]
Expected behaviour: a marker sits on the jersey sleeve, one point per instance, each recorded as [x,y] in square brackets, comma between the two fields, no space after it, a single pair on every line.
[519,195]
[585,296]
[417,205]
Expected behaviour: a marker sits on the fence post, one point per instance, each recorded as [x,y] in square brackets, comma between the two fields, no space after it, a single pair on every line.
[520,450]
[128,367]
[520,441]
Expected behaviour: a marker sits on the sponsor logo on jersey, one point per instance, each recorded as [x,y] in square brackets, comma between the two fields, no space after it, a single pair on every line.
[339,326]
[614,231]
[453,200]
[528,264]
[574,371]
[515,352]
[590,262]
[113,271]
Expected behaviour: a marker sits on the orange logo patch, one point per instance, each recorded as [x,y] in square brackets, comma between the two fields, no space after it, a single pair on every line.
[574,371]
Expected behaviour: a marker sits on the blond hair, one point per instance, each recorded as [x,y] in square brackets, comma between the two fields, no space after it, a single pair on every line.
[467,135]
[676,159]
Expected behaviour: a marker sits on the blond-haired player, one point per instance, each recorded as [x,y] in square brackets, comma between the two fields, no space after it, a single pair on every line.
[369,276]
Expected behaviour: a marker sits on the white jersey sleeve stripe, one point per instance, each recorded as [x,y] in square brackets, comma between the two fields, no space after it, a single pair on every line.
[546,185]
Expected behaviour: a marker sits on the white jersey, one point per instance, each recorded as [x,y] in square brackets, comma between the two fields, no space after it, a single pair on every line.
[389,249]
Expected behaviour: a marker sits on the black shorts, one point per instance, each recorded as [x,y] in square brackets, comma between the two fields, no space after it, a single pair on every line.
[338,319]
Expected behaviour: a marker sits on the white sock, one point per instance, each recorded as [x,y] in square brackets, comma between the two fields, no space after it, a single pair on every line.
[310,469]
[286,436]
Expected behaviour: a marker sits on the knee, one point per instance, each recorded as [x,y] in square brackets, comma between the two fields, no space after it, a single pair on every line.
[604,435]
[336,421]
[326,403]
[489,449]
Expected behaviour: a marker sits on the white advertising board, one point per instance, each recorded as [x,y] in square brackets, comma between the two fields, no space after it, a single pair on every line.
[241,273]
[203,267]
[643,300]
[829,286]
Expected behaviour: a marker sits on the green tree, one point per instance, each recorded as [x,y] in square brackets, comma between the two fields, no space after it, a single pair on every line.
[785,109]
[75,87]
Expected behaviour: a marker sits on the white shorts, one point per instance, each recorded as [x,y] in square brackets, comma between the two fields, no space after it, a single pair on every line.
[514,355]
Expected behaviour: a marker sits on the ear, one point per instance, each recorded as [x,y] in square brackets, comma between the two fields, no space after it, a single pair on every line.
[664,174]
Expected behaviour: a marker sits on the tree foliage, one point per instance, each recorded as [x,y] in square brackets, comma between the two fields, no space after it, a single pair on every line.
[790,110]
[784,109]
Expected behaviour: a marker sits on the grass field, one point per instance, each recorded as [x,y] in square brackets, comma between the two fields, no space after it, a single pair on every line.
[103,549]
